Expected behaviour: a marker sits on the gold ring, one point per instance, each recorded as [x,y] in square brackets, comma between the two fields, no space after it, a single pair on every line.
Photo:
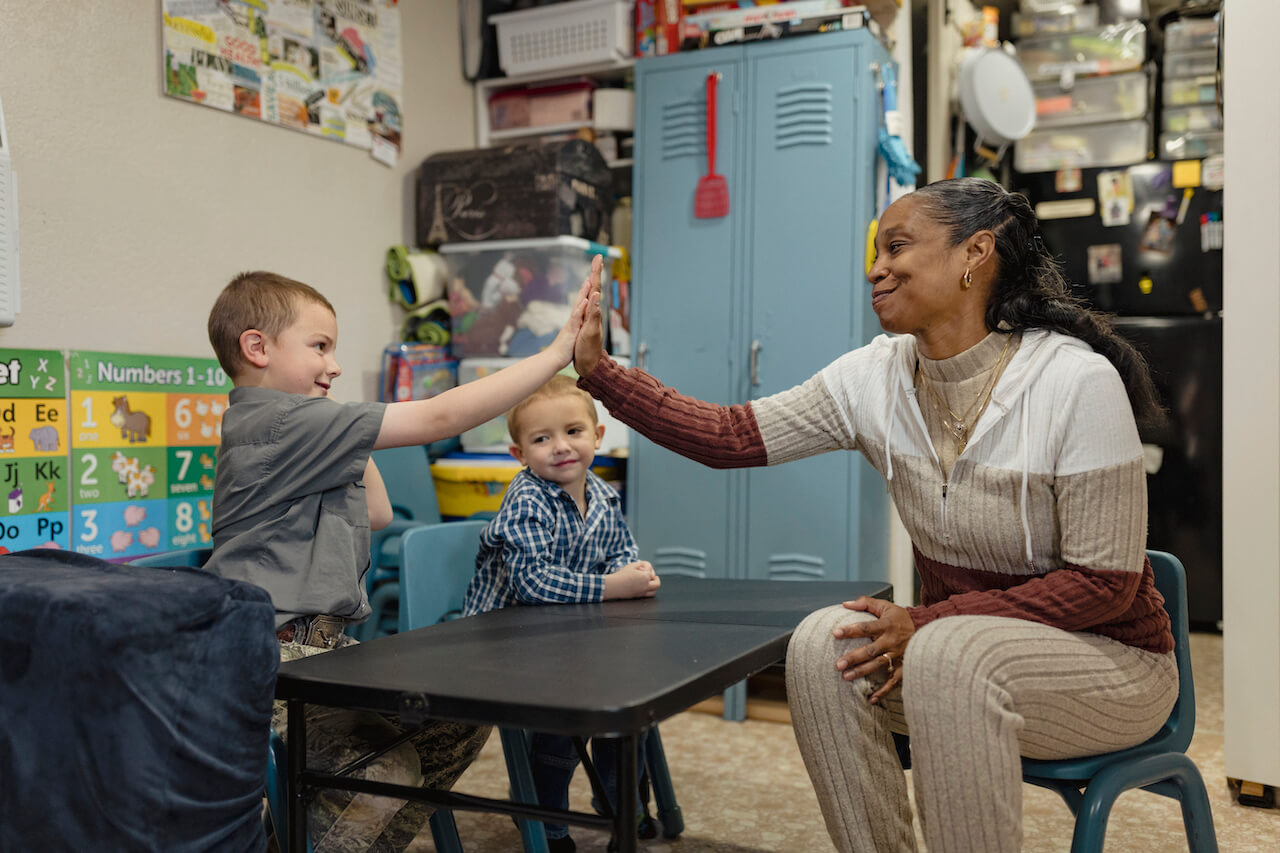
[888,659]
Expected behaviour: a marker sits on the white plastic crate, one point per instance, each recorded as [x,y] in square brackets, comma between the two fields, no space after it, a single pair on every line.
[564,35]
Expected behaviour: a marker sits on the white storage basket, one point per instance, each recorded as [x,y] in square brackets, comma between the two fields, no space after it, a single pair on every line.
[564,35]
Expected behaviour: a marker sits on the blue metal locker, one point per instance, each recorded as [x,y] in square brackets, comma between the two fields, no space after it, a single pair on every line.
[737,308]
[813,114]
[683,313]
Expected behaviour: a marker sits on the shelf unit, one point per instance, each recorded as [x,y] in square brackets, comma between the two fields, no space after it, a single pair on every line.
[484,89]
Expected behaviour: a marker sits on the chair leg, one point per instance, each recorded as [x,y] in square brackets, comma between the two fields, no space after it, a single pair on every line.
[735,702]
[664,794]
[444,832]
[1152,770]
[515,749]
[1197,817]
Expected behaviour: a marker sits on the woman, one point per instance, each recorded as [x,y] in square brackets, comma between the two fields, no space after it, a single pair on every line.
[1002,418]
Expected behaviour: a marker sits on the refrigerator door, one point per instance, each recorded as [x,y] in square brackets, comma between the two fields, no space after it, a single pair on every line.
[1184,457]
[1184,279]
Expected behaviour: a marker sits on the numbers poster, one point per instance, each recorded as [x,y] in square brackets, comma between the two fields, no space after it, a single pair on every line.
[143,436]
[33,450]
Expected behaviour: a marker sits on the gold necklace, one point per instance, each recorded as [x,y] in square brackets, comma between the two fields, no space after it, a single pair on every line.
[959,425]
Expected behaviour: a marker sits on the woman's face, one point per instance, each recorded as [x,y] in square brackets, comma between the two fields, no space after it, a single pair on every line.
[915,280]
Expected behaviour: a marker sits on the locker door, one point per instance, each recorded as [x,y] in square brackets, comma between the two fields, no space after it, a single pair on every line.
[811,161]
[686,275]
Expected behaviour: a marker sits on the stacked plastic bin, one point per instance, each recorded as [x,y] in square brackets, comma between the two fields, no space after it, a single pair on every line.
[508,300]
[1190,118]
[1091,87]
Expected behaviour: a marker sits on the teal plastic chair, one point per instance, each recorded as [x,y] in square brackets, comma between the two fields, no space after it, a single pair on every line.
[406,472]
[1091,785]
[438,563]
[193,558]
[444,831]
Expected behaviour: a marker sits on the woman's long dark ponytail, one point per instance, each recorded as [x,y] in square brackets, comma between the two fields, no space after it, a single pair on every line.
[1029,291]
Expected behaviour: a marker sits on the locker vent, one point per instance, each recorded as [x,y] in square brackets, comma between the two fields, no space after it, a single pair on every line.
[688,562]
[684,129]
[795,567]
[802,115]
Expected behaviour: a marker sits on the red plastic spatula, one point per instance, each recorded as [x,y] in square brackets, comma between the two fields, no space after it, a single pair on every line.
[711,198]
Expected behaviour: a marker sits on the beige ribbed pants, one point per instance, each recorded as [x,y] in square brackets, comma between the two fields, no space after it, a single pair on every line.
[978,692]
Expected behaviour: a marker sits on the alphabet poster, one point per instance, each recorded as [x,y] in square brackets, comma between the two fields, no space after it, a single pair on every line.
[33,450]
[144,434]
[326,67]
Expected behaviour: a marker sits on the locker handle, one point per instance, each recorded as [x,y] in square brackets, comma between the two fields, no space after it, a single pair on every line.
[642,355]
[755,362]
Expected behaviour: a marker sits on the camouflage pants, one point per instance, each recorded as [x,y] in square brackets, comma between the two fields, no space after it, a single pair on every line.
[344,822]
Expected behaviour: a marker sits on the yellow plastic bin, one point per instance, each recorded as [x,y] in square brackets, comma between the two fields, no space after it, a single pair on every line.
[473,483]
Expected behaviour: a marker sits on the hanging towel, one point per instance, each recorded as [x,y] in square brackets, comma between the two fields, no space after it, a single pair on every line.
[428,324]
[416,278]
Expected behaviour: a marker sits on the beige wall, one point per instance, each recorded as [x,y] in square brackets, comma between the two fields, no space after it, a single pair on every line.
[137,208]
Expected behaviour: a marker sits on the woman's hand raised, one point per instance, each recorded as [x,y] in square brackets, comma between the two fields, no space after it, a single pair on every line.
[589,345]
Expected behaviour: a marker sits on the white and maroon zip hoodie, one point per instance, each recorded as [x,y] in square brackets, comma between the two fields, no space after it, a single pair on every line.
[1042,517]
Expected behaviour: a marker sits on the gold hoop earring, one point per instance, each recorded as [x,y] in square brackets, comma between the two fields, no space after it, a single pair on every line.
[967,281]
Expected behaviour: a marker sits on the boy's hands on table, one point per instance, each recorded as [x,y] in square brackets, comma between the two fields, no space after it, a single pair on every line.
[588,305]
[634,580]
[590,343]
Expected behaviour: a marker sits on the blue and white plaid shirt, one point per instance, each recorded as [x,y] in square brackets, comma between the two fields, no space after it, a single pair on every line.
[540,550]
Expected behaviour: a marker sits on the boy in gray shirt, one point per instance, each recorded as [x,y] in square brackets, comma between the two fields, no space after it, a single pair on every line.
[295,496]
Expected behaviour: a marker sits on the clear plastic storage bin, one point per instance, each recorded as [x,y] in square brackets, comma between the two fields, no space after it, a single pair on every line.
[1107,50]
[1191,34]
[1091,100]
[564,35]
[1061,19]
[1114,144]
[1185,91]
[1190,63]
[1192,145]
[492,436]
[1182,119]
[510,297]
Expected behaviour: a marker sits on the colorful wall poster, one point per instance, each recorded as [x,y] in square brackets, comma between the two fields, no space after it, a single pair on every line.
[33,450]
[144,434]
[327,67]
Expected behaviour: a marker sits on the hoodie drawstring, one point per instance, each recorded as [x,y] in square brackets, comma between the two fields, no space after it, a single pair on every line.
[1026,466]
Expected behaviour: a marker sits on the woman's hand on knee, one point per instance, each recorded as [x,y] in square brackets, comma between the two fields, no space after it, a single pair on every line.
[889,632]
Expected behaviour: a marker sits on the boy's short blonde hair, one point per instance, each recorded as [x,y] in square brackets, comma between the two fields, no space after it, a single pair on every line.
[256,300]
[557,386]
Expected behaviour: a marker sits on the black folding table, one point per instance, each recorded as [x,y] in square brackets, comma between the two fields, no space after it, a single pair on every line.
[614,668]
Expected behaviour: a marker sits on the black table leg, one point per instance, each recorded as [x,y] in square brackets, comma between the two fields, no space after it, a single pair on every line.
[297,728]
[626,821]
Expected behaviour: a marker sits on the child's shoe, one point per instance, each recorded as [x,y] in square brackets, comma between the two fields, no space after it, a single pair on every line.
[563,844]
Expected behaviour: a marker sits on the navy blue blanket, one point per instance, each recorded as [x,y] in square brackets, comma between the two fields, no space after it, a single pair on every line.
[134,706]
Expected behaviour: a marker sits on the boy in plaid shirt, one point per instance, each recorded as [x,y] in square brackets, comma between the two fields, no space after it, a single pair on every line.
[559,538]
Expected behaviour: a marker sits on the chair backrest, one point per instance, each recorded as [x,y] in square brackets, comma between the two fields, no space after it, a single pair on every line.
[194,558]
[436,564]
[406,471]
[1171,581]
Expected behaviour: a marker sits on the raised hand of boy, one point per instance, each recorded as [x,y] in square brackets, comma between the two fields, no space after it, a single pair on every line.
[634,580]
